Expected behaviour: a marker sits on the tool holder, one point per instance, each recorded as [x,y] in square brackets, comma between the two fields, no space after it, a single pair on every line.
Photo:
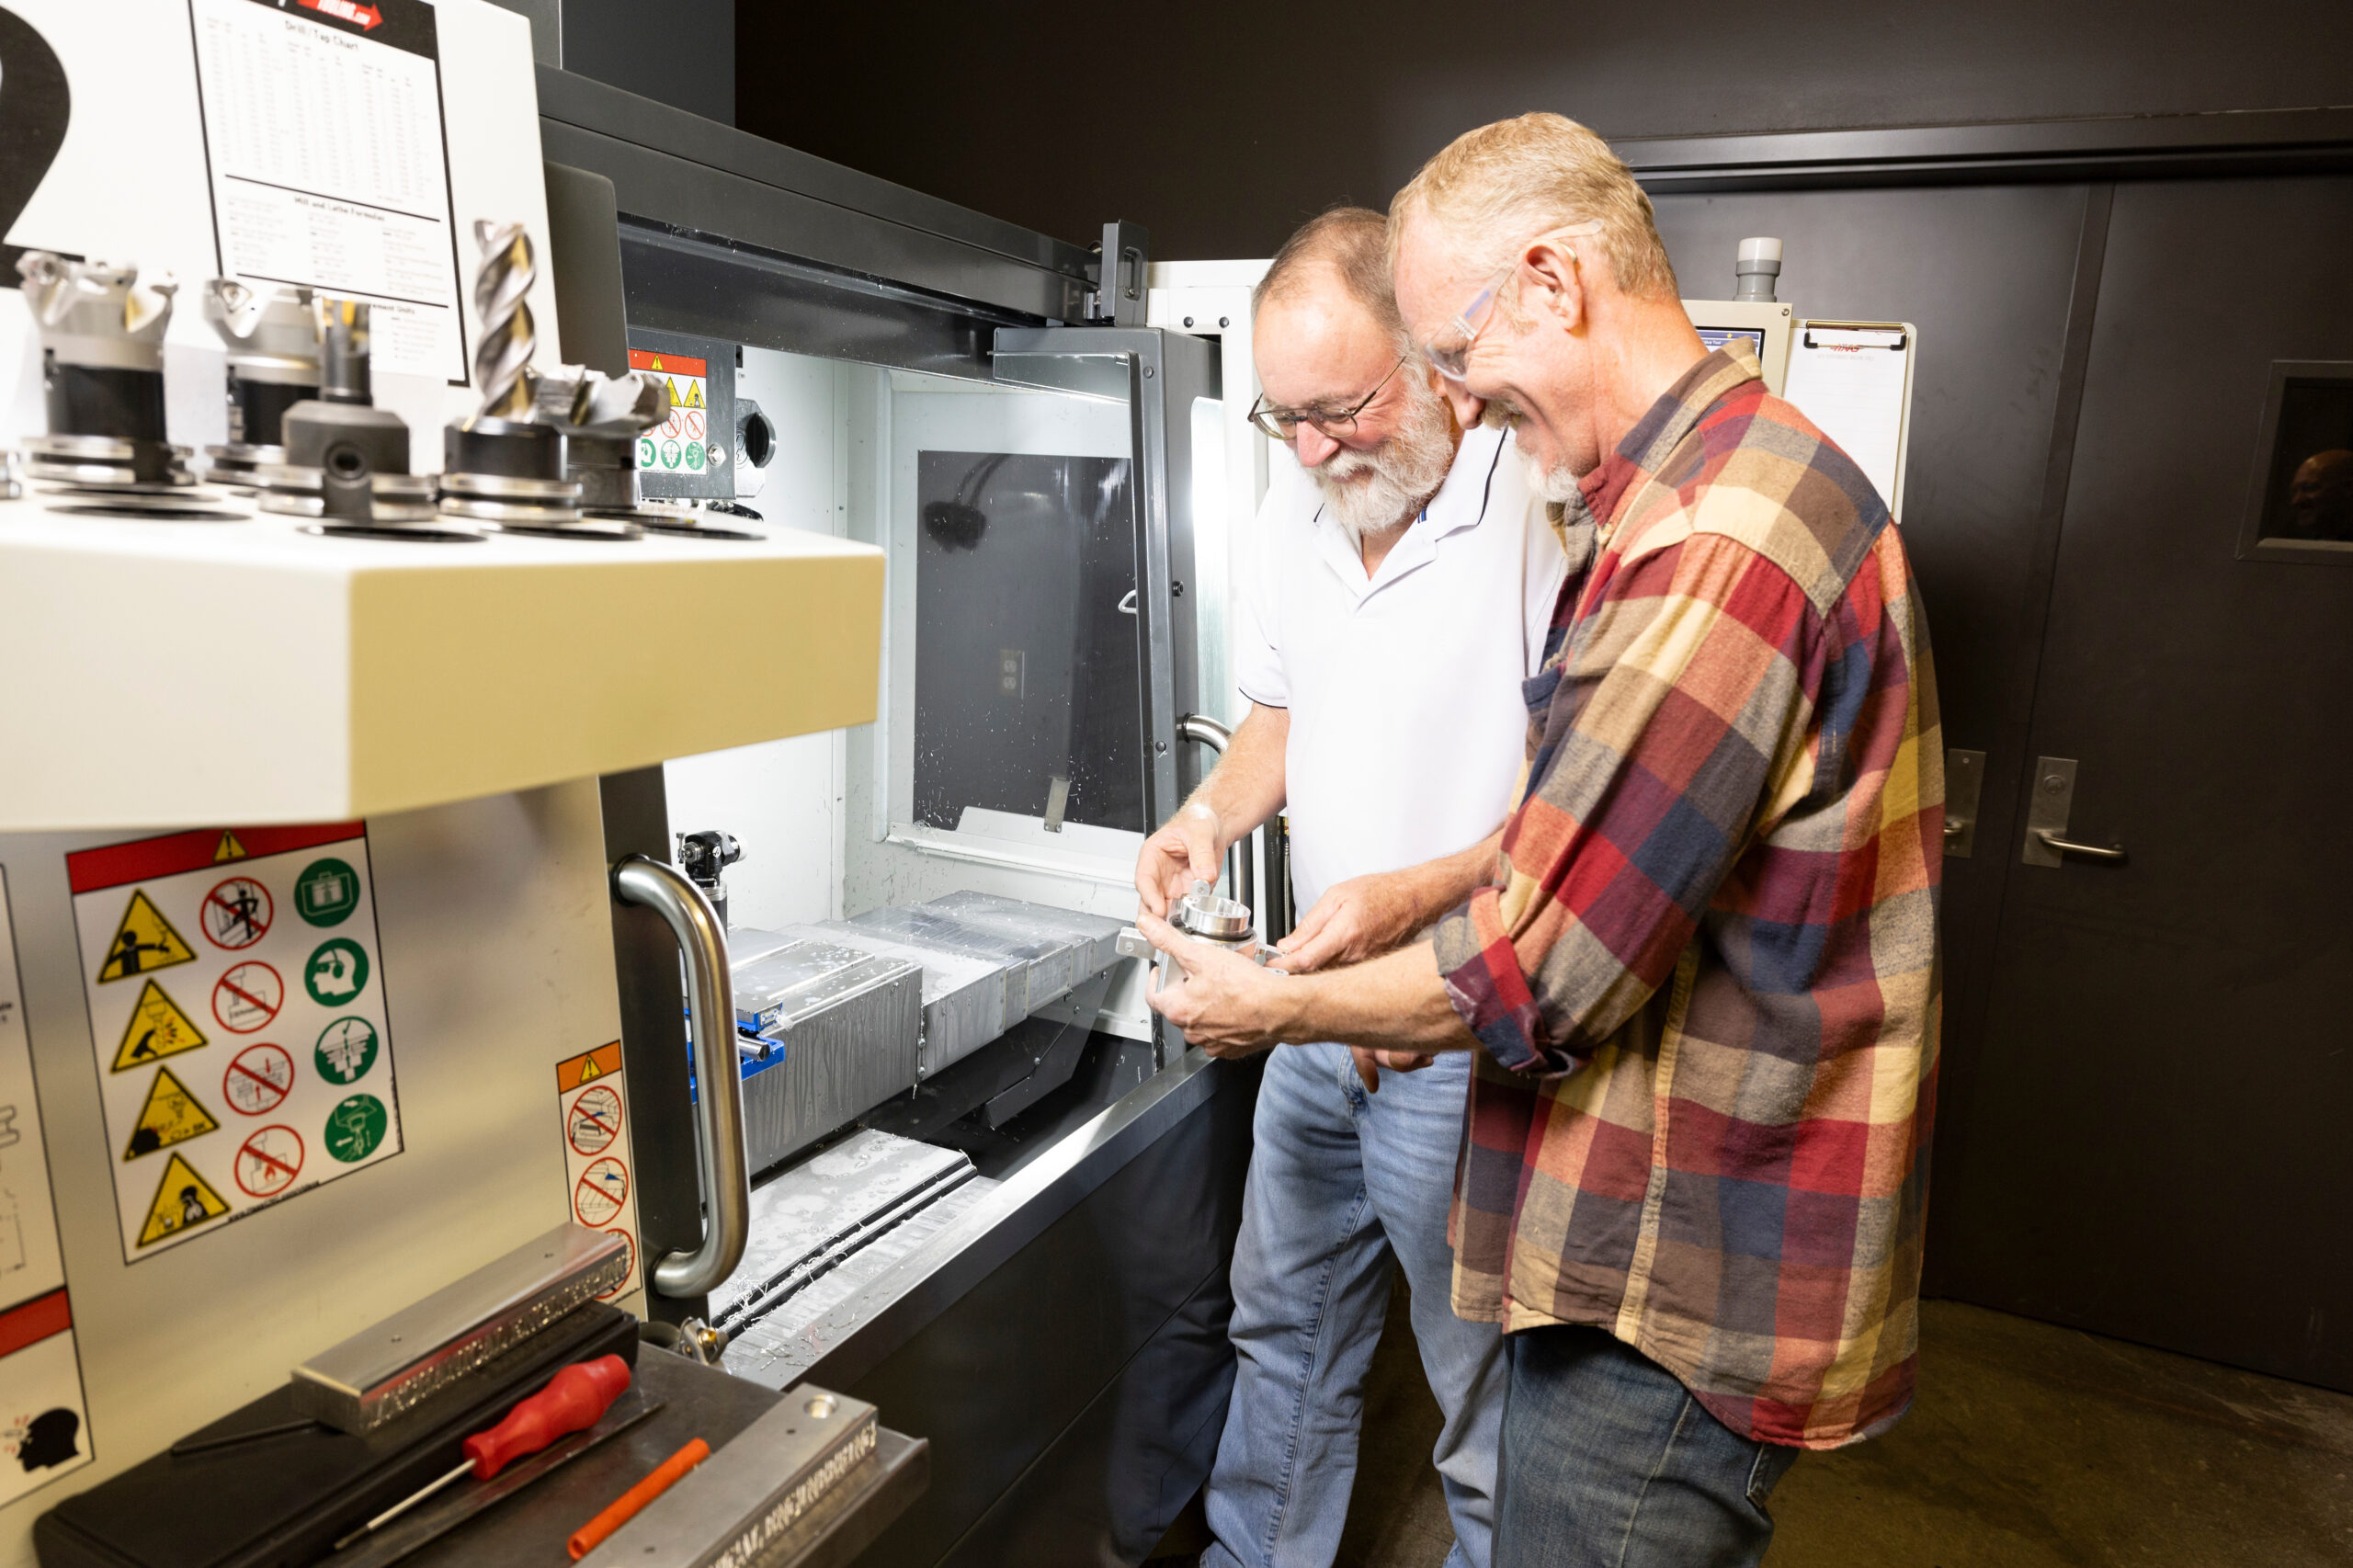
[102,378]
[346,460]
[272,337]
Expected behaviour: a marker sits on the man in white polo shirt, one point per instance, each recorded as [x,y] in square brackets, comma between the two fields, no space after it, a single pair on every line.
[1402,590]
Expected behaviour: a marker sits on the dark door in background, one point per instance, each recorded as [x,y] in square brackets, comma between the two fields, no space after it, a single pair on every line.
[1989,275]
[2156,1137]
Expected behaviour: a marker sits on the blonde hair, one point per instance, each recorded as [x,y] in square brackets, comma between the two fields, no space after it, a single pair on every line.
[1497,187]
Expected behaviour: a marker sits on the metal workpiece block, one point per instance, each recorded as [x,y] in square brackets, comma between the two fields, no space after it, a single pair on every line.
[964,994]
[840,1028]
[1095,935]
[798,981]
[745,1505]
[407,1358]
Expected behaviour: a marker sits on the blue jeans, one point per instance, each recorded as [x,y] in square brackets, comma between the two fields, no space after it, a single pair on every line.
[1343,1185]
[1609,1463]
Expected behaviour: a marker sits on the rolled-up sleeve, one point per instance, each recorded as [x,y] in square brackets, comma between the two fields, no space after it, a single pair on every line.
[1682,710]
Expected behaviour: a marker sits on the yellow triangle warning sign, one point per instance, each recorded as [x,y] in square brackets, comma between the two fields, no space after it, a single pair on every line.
[158,1029]
[170,1116]
[658,363]
[144,942]
[182,1198]
[694,395]
[589,1069]
[228,848]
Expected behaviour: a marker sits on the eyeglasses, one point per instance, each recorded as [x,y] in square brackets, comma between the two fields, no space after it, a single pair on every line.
[1450,352]
[1283,424]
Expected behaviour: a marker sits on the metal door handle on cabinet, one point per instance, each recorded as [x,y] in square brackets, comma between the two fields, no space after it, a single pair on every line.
[2089,851]
[1209,731]
[1955,827]
[718,1085]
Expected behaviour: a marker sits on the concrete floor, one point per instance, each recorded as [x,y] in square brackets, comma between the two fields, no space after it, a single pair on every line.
[2029,1447]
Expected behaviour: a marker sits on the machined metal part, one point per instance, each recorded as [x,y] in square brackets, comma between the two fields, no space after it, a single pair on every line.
[719,1086]
[739,1505]
[1207,914]
[397,1363]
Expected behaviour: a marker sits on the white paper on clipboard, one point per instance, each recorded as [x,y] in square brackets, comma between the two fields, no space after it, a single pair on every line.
[1854,379]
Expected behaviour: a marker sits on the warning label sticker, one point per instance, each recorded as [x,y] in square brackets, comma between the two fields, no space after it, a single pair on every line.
[237,913]
[258,1080]
[248,998]
[592,1098]
[170,1116]
[44,1419]
[681,441]
[268,1161]
[183,1200]
[143,942]
[158,1029]
[298,1040]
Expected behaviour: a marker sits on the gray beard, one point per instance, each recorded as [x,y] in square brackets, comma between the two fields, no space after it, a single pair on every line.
[1398,477]
[1549,484]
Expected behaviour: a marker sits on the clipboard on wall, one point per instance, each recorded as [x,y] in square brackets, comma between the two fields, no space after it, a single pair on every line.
[1854,379]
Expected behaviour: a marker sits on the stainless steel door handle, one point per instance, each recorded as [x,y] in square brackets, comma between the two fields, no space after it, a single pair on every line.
[719,1084]
[2089,851]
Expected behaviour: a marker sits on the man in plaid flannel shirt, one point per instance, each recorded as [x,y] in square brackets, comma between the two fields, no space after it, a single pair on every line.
[1704,994]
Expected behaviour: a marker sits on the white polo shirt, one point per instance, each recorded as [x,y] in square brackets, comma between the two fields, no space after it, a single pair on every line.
[1407,729]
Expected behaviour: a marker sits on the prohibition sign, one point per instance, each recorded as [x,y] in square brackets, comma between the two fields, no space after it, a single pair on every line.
[247,997]
[270,1162]
[237,913]
[629,1251]
[257,1080]
[594,1119]
[598,1194]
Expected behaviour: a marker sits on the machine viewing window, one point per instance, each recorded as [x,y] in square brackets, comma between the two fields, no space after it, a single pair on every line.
[2301,502]
[1026,656]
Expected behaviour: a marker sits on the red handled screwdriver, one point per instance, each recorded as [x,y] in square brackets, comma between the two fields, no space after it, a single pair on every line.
[574,1400]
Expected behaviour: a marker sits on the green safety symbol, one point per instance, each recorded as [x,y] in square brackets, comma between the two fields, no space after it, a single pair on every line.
[354,1128]
[669,454]
[346,1048]
[694,454]
[326,891]
[336,973]
[645,451]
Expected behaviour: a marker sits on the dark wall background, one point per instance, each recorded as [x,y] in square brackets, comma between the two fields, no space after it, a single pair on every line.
[1221,125]
[679,52]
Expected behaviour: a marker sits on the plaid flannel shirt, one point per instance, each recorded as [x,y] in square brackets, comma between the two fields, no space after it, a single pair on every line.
[1708,991]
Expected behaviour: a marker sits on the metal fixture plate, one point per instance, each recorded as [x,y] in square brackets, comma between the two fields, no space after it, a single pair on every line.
[396,1364]
[754,1489]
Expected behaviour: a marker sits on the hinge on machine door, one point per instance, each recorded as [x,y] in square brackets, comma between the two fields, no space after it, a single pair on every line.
[1119,296]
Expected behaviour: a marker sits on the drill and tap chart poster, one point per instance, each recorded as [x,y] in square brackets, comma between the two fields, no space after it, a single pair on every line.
[330,164]
[237,1009]
[44,1422]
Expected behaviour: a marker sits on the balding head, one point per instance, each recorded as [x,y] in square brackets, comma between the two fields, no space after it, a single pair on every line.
[1345,249]
[1336,368]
